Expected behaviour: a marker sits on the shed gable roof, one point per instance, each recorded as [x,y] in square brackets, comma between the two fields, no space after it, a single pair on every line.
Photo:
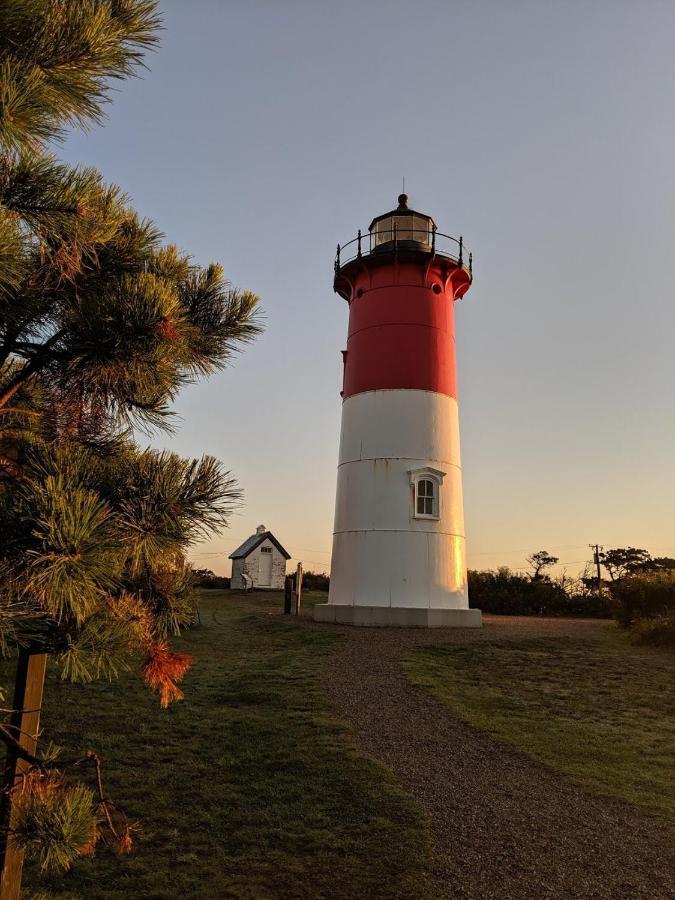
[254,541]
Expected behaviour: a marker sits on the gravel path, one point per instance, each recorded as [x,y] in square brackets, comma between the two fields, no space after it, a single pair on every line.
[503,826]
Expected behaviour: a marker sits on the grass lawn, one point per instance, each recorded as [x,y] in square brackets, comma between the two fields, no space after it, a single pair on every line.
[247,788]
[598,709]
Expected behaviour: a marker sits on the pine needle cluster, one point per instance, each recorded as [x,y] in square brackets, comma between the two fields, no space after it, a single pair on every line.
[101,324]
[58,57]
[57,821]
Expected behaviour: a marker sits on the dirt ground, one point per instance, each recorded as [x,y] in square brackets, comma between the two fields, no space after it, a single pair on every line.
[502,825]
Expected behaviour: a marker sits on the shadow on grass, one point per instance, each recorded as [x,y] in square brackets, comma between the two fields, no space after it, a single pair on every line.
[248,788]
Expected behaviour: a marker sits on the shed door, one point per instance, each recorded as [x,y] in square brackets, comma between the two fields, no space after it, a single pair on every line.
[265,577]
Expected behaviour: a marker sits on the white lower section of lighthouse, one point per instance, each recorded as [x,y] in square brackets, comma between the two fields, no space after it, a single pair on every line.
[398,542]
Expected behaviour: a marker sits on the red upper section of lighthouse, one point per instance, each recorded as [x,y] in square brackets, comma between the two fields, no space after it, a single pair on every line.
[401,297]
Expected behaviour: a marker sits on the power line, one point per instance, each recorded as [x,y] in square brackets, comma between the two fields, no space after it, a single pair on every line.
[523,550]
[325,557]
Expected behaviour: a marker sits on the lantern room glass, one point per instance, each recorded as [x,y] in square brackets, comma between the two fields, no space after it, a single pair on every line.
[408,228]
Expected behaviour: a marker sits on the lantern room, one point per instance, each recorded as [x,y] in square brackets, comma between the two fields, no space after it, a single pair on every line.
[403,228]
[409,237]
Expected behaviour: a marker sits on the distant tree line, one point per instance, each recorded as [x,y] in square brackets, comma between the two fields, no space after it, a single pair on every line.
[639,590]
[642,594]
[205,578]
[535,593]
[504,592]
[315,581]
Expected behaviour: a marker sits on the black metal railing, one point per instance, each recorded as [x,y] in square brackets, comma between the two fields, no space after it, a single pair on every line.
[427,239]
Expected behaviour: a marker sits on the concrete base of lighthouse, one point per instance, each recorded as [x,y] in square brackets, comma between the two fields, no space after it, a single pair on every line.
[397,616]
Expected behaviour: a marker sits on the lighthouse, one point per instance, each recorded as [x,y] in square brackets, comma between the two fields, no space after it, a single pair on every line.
[399,553]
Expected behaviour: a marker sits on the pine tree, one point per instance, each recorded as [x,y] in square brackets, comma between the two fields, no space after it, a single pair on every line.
[101,324]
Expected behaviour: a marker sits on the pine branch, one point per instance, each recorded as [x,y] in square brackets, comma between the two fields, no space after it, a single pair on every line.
[56,59]
[18,749]
[63,212]
[29,369]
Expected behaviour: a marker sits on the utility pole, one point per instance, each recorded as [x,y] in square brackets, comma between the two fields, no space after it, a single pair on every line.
[298,588]
[597,549]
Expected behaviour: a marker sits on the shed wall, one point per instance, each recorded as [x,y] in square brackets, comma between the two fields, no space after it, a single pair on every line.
[252,564]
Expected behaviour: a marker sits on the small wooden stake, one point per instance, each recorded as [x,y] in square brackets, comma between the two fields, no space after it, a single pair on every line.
[24,725]
[288,593]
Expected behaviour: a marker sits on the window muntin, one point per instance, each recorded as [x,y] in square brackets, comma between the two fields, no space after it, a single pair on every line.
[404,228]
[421,229]
[426,496]
[426,493]
[383,232]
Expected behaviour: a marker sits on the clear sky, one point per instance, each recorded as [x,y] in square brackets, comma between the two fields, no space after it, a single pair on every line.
[265,133]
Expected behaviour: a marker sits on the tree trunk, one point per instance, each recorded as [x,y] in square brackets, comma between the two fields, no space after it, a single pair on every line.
[25,722]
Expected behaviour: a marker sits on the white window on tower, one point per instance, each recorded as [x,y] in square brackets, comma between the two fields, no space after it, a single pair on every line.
[426,497]
[426,493]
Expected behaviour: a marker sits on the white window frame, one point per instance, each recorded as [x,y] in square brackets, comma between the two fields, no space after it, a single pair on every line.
[435,476]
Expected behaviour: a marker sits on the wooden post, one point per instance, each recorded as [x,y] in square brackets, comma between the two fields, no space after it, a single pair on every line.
[24,725]
[298,592]
[288,592]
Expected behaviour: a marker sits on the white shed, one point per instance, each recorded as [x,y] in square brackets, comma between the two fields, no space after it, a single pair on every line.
[262,557]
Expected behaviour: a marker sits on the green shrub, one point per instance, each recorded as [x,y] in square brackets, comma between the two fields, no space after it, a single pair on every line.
[656,632]
[643,596]
[503,592]
[315,581]
[205,578]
